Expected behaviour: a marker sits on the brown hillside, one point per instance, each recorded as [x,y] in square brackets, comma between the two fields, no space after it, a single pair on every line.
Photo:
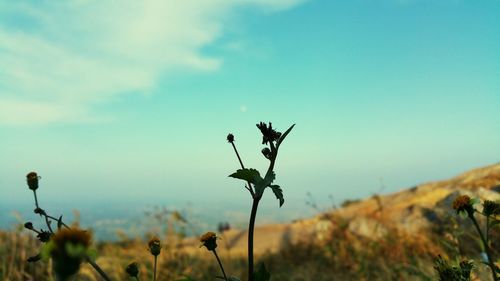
[411,210]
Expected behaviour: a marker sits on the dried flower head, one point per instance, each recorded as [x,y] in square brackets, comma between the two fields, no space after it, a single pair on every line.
[44,236]
[28,225]
[448,272]
[68,248]
[132,269]
[154,246]
[32,180]
[209,240]
[463,203]
[491,208]
[268,133]
[230,138]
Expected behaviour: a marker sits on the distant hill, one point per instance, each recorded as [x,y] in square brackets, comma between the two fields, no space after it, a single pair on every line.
[412,210]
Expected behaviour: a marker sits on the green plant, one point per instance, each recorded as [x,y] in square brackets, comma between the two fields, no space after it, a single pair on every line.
[465,207]
[256,185]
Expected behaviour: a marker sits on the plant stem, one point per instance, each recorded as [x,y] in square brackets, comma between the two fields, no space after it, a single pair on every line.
[98,269]
[154,271]
[56,219]
[220,264]
[253,215]
[487,229]
[251,226]
[243,167]
[486,248]
[36,199]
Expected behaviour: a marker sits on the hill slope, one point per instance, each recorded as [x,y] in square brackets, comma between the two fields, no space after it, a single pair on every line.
[411,210]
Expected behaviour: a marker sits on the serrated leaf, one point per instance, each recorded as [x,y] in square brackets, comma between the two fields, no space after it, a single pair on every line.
[283,136]
[278,192]
[250,175]
[262,274]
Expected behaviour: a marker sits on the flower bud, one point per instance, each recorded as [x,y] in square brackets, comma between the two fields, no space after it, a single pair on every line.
[39,211]
[266,152]
[209,240]
[464,204]
[154,246]
[491,208]
[230,138]
[32,180]
[132,269]
[29,225]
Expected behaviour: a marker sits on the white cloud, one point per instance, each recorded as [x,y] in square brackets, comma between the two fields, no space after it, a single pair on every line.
[59,58]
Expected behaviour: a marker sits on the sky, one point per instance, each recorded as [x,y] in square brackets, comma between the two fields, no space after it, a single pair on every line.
[130,102]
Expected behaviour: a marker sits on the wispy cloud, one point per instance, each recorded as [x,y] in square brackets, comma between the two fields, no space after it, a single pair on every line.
[58,59]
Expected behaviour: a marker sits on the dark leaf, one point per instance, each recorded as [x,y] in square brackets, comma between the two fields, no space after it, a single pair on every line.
[250,175]
[59,223]
[263,183]
[278,192]
[283,136]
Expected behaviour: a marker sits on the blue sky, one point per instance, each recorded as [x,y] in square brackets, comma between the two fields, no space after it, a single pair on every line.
[132,102]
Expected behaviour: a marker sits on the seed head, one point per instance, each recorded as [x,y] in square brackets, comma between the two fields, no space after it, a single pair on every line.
[32,180]
[39,211]
[28,225]
[463,203]
[230,138]
[154,246]
[209,240]
[132,269]
[44,236]
[491,208]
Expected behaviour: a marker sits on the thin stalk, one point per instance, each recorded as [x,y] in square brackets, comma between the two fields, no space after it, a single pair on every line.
[243,167]
[56,219]
[251,226]
[48,223]
[36,199]
[98,269]
[487,230]
[253,215]
[154,271]
[220,264]
[486,248]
